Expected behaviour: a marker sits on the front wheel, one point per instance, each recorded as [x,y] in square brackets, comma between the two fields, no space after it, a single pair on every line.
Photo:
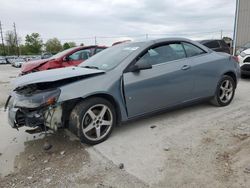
[93,120]
[224,92]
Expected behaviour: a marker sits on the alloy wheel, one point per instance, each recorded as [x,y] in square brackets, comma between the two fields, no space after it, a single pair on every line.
[97,122]
[226,91]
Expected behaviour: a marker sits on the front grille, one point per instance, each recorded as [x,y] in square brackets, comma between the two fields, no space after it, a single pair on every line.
[33,122]
[245,67]
[247,60]
[25,118]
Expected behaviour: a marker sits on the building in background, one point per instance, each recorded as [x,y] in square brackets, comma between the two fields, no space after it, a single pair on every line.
[242,22]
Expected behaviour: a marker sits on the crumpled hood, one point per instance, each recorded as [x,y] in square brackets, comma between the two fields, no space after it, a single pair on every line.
[54,75]
[30,65]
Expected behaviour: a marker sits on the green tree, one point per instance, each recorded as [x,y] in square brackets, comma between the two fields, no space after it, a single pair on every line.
[68,45]
[72,44]
[10,41]
[53,46]
[23,49]
[33,43]
[1,50]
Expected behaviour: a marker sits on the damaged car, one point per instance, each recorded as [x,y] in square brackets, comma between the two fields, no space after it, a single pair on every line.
[121,83]
[69,57]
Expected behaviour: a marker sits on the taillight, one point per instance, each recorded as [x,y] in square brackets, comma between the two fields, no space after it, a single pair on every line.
[235,58]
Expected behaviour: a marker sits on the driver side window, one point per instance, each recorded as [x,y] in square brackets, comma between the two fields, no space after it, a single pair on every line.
[163,54]
[80,55]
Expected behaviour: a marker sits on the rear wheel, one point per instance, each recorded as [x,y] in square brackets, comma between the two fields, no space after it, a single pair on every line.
[225,91]
[93,120]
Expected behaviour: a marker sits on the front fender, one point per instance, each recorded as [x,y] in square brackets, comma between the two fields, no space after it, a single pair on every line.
[95,86]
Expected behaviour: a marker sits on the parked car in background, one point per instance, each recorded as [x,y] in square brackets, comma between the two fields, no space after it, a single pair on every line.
[3,60]
[242,48]
[244,60]
[216,45]
[46,55]
[121,83]
[18,62]
[70,57]
[10,59]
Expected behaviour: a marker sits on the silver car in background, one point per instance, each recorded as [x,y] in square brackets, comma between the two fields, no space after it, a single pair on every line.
[121,83]
[3,60]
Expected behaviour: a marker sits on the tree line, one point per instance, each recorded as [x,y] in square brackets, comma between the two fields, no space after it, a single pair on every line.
[33,45]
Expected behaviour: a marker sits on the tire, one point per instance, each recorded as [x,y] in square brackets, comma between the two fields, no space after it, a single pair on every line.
[92,120]
[224,93]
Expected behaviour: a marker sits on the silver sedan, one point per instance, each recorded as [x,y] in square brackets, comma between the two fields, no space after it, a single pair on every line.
[121,83]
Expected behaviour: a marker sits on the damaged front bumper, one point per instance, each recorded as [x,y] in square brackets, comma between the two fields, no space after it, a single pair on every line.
[36,110]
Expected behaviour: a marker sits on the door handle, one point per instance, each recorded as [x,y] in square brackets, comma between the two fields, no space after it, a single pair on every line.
[186,67]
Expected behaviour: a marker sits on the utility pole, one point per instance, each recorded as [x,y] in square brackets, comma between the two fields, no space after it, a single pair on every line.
[95,41]
[221,34]
[236,26]
[1,31]
[17,48]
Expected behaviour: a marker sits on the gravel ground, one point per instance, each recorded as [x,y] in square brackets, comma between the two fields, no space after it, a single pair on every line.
[198,146]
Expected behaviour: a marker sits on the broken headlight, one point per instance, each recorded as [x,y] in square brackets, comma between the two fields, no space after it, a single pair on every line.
[36,99]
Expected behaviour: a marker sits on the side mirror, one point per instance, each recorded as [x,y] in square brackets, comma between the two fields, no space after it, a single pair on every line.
[141,65]
[66,58]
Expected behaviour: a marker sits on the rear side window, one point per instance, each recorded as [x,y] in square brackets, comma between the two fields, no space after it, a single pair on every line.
[163,54]
[192,50]
[212,44]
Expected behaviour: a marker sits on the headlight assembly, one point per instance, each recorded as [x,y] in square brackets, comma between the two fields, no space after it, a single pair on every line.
[36,99]
[243,54]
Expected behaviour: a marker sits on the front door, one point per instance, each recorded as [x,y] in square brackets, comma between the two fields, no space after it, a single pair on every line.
[167,83]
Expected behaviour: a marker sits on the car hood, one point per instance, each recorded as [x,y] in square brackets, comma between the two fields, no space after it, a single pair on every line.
[30,65]
[54,75]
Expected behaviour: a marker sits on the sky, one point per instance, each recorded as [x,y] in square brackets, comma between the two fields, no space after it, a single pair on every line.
[113,20]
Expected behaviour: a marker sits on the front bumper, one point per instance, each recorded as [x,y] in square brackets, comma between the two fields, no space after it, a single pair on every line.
[12,117]
[19,117]
[50,116]
[245,69]
[244,65]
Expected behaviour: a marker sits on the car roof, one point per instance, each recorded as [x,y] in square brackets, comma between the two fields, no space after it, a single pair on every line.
[177,39]
[86,47]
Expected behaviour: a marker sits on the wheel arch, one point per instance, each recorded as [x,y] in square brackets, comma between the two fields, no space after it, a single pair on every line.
[232,75]
[111,99]
[69,105]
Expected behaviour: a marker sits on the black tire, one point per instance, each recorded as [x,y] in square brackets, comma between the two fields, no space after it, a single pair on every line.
[76,121]
[217,101]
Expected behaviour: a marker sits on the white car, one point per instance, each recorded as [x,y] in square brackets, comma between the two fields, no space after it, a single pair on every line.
[18,62]
[244,60]
[3,60]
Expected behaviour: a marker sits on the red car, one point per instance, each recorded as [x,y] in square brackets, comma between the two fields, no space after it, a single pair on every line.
[70,57]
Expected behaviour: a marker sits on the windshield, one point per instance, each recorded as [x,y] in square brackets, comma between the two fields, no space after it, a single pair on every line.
[111,57]
[60,54]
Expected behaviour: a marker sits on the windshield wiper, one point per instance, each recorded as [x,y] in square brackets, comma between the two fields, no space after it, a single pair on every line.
[90,67]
